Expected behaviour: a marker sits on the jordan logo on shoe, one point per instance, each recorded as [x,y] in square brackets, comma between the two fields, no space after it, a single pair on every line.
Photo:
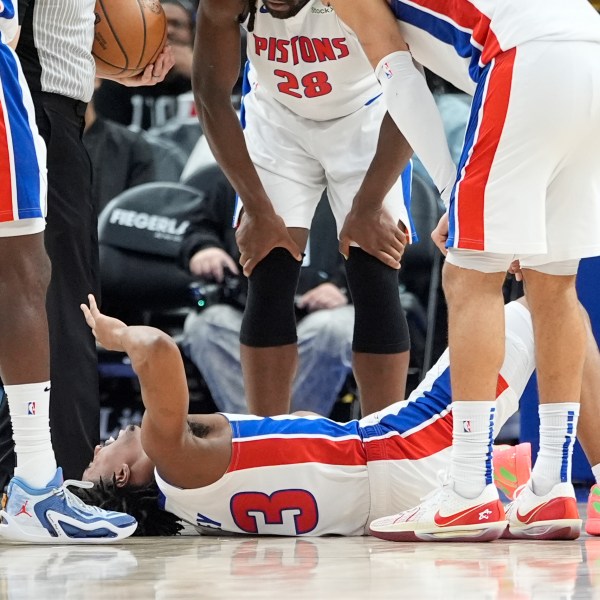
[442,521]
[23,510]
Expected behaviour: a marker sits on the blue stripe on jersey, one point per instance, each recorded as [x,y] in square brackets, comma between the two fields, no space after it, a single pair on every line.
[245,92]
[26,170]
[470,134]
[425,407]
[373,99]
[406,179]
[442,30]
[297,426]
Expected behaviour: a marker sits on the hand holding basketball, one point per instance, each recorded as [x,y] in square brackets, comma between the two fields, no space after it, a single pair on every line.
[129,36]
[152,74]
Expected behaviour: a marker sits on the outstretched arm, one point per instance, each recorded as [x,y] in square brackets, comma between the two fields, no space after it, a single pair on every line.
[157,362]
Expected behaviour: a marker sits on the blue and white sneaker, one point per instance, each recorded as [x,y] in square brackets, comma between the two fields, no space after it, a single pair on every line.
[53,515]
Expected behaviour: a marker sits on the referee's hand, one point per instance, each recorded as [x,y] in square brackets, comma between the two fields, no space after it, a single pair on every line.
[152,74]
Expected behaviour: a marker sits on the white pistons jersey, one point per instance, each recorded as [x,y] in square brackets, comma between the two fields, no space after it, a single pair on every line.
[310,476]
[479,30]
[311,63]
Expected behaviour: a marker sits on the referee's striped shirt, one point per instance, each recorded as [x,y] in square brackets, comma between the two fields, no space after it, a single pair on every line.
[55,46]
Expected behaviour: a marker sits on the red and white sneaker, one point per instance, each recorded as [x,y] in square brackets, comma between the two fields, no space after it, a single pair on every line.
[552,516]
[446,516]
[512,467]
[592,523]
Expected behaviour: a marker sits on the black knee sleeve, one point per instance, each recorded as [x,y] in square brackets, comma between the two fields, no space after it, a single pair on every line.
[269,318]
[380,325]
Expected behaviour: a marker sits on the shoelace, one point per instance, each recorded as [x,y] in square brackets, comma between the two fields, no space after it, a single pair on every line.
[442,479]
[74,500]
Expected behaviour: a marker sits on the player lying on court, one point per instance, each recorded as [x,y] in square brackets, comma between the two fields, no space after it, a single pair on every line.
[286,475]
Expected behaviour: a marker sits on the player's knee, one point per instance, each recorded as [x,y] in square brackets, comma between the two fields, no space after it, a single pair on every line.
[269,318]
[380,325]
[28,276]
[466,270]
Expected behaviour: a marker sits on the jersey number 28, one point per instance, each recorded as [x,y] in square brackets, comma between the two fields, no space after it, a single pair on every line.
[311,85]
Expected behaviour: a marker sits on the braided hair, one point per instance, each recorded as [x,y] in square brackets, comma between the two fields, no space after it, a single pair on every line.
[141,502]
[252,7]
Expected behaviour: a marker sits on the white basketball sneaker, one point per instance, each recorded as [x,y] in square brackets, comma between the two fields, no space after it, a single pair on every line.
[446,516]
[53,515]
[553,516]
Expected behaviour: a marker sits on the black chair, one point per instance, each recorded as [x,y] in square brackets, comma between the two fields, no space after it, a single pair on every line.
[169,158]
[206,178]
[139,234]
[183,132]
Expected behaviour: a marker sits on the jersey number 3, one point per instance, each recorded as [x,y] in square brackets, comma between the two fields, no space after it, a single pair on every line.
[312,85]
[300,503]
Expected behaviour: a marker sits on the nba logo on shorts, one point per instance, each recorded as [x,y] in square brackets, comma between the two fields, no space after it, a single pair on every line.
[387,71]
[467,426]
[31,408]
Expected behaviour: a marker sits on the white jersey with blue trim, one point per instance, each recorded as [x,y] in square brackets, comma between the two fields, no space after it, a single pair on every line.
[311,63]
[310,476]
[9,22]
[479,30]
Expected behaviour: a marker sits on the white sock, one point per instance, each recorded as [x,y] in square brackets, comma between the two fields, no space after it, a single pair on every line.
[472,437]
[596,473]
[29,406]
[558,427]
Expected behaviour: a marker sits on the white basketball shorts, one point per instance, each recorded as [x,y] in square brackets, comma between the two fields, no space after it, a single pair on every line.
[296,158]
[529,176]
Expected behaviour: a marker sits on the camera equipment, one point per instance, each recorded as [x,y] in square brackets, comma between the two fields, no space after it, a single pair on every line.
[232,290]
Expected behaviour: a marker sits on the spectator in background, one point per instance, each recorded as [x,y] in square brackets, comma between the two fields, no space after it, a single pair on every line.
[121,158]
[152,106]
[325,318]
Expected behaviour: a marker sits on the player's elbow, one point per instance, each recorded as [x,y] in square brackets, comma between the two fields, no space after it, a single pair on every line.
[155,349]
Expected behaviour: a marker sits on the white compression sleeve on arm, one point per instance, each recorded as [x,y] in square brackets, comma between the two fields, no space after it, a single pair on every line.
[413,109]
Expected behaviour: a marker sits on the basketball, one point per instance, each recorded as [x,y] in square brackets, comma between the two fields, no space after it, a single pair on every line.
[128,36]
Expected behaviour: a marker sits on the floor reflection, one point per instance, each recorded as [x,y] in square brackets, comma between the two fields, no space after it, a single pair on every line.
[219,567]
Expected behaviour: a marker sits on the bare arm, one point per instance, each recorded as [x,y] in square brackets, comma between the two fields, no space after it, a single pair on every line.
[368,223]
[187,460]
[216,66]
[374,24]
[157,362]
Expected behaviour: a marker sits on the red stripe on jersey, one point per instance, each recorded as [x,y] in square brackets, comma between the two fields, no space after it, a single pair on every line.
[466,16]
[268,452]
[424,442]
[501,386]
[491,47]
[471,188]
[6,204]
